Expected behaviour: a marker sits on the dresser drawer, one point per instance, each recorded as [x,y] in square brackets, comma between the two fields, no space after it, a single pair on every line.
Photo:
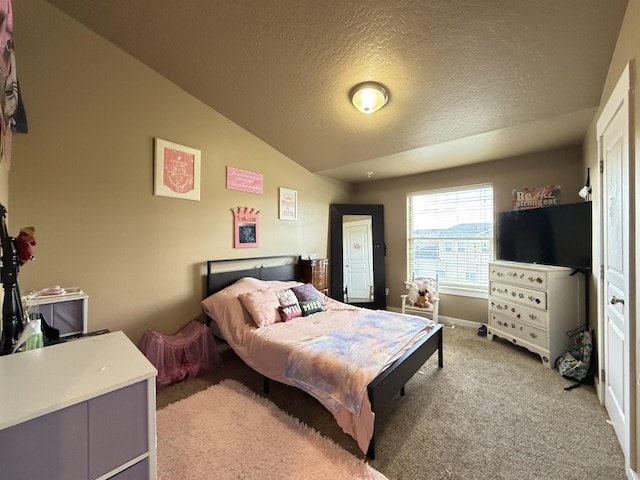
[518,276]
[516,311]
[518,329]
[315,272]
[524,296]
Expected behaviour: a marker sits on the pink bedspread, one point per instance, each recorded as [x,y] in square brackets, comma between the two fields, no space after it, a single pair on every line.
[267,349]
[337,367]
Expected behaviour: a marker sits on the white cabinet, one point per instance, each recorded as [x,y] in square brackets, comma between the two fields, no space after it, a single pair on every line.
[536,306]
[67,312]
[83,409]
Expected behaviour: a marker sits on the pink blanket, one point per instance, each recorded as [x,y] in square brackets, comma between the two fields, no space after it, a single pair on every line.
[267,349]
[337,367]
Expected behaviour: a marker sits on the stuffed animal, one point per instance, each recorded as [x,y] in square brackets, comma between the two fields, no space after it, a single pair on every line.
[425,298]
[414,294]
[24,241]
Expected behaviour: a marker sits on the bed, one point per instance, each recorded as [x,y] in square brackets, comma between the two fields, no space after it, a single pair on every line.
[239,306]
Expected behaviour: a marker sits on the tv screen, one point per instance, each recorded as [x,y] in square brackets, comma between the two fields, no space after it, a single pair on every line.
[557,235]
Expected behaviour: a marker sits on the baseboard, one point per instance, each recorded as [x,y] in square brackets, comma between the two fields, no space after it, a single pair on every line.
[443,320]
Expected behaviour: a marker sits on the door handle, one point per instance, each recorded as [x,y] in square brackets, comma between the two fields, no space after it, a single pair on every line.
[614,300]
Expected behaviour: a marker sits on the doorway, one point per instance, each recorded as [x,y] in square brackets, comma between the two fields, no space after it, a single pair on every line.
[616,315]
[357,258]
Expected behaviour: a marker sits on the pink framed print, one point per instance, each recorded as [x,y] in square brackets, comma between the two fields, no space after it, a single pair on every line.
[246,227]
[176,171]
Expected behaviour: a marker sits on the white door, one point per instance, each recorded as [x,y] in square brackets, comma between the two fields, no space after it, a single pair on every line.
[617,304]
[358,260]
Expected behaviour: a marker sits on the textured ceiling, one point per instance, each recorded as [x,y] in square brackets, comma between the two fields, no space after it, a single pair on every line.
[469,80]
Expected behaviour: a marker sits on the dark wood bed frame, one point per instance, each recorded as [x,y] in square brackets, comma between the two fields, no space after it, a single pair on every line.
[388,383]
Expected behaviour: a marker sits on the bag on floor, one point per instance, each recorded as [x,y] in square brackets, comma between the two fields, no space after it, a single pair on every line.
[575,363]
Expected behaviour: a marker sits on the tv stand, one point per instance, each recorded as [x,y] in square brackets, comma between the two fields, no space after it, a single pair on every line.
[535,306]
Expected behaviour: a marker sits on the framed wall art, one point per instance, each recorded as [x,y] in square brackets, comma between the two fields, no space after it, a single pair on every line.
[244,180]
[246,227]
[176,171]
[288,204]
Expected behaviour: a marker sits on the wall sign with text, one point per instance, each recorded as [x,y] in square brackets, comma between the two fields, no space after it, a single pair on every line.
[536,197]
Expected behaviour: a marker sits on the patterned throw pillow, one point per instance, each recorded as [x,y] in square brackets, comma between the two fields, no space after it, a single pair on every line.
[310,306]
[308,292]
[288,312]
[285,297]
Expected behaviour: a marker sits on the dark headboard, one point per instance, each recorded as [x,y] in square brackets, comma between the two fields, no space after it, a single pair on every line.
[217,280]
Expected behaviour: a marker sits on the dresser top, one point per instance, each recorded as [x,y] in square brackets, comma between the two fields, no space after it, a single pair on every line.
[531,266]
[38,382]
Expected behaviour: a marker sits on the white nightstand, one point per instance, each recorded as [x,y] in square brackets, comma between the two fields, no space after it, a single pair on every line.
[66,312]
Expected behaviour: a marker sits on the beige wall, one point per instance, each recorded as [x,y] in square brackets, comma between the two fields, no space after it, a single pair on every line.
[83,176]
[558,167]
[627,50]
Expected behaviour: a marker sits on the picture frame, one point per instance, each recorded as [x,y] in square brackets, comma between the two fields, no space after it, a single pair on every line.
[176,170]
[288,204]
[246,227]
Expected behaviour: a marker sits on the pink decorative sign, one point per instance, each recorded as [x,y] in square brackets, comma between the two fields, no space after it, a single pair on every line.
[246,225]
[177,171]
[536,197]
[244,180]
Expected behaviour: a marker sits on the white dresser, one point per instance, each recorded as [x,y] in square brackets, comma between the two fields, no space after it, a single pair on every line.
[535,306]
[84,409]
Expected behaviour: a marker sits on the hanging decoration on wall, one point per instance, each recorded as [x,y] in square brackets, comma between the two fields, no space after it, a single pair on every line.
[535,197]
[12,114]
[244,180]
[288,205]
[246,227]
[177,171]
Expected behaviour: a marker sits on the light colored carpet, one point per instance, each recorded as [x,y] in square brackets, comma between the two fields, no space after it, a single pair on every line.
[493,412]
[229,432]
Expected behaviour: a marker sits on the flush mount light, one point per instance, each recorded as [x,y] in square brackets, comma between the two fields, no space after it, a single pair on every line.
[369,97]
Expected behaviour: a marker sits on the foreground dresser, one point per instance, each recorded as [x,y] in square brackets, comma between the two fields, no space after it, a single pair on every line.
[83,409]
[535,306]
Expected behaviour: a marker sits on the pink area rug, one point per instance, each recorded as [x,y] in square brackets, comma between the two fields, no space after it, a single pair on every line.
[229,432]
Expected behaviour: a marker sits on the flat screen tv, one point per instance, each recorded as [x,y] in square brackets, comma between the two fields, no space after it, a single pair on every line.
[557,235]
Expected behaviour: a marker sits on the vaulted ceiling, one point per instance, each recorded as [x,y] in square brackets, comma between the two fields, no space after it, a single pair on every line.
[469,80]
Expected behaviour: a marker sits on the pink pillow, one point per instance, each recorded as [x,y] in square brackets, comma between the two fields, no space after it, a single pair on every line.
[224,306]
[262,305]
[287,312]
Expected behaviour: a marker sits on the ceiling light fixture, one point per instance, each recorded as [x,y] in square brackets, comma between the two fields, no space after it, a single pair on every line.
[369,97]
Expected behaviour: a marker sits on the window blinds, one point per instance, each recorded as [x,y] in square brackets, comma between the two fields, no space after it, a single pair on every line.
[450,233]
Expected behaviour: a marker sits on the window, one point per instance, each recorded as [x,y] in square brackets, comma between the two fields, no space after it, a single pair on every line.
[450,233]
